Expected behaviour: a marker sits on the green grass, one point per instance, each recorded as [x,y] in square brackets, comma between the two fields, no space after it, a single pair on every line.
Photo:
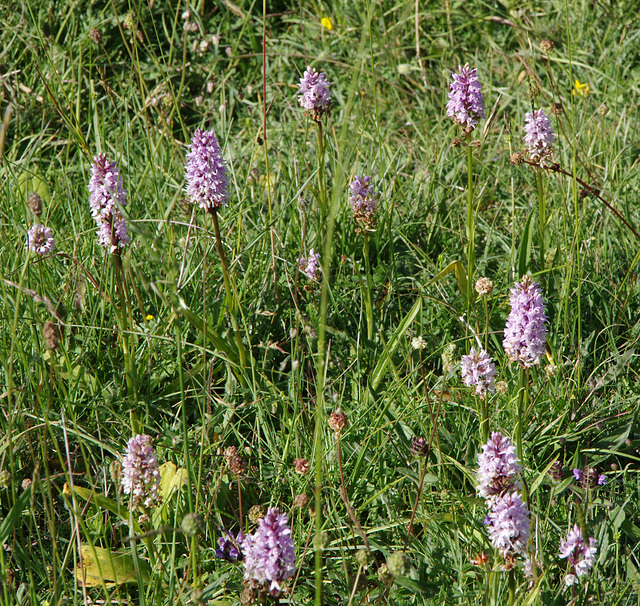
[67,413]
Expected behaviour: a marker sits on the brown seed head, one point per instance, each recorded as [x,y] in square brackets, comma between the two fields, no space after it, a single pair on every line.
[301,501]
[516,158]
[230,452]
[557,109]
[237,465]
[337,421]
[34,202]
[95,35]
[301,466]
[51,335]
[484,286]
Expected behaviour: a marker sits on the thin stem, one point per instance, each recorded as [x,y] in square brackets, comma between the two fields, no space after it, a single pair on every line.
[231,302]
[321,187]
[368,299]
[471,227]
[522,395]
[542,220]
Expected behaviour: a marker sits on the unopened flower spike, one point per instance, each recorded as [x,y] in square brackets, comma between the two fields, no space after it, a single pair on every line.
[363,202]
[466,105]
[41,240]
[206,172]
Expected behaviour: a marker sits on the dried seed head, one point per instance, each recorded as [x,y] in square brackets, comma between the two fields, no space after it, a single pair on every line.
[237,465]
[546,46]
[26,483]
[5,478]
[517,158]
[484,286]
[95,35]
[230,452]
[51,335]
[603,109]
[256,512]
[300,501]
[301,466]
[34,202]
[419,447]
[337,421]
[556,109]
[502,387]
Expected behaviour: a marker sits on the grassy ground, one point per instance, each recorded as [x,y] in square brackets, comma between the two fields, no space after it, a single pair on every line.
[146,342]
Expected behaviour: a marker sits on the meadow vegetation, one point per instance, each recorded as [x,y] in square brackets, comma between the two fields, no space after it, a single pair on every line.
[307,342]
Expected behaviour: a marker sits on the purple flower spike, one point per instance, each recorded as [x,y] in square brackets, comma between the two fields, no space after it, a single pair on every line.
[525,334]
[314,94]
[205,171]
[107,196]
[498,466]
[363,201]
[140,473]
[269,552]
[311,266]
[478,369]
[228,546]
[41,241]
[509,524]
[580,555]
[539,135]
[466,105]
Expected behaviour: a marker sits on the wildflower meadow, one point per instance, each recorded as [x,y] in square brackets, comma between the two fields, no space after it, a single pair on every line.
[326,303]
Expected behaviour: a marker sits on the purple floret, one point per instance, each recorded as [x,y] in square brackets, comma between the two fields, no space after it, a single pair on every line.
[498,466]
[509,524]
[313,93]
[580,556]
[539,135]
[41,240]
[205,171]
[140,472]
[525,334]
[269,553]
[466,105]
[106,198]
[477,369]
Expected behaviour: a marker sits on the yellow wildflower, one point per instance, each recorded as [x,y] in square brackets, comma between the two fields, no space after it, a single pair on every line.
[582,90]
[327,23]
[149,318]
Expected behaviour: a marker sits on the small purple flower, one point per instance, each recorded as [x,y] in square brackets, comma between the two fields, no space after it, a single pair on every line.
[269,552]
[229,546]
[525,334]
[40,241]
[602,480]
[205,171]
[539,135]
[580,555]
[498,466]
[509,524]
[478,369]
[363,201]
[106,198]
[578,475]
[140,473]
[311,266]
[313,93]
[466,105]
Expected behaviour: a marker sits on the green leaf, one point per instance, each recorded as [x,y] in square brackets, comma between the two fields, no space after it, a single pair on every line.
[100,567]
[394,341]
[101,501]
[14,514]
[31,181]
[172,479]
[461,277]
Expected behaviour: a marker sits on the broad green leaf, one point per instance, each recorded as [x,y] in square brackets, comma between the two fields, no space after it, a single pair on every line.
[100,567]
[101,501]
[31,181]
[461,277]
[172,479]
